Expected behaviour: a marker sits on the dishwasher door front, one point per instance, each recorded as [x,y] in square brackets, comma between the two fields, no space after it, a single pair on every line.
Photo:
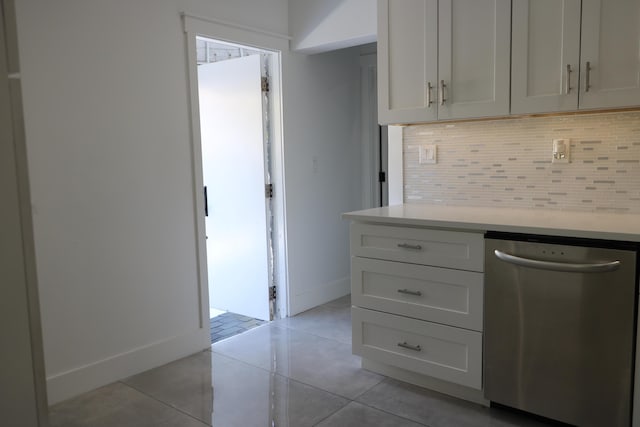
[559,330]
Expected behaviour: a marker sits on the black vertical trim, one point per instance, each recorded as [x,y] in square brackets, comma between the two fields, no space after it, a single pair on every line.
[206,202]
[380,183]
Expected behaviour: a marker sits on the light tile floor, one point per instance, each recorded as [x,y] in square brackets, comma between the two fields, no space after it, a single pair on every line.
[293,372]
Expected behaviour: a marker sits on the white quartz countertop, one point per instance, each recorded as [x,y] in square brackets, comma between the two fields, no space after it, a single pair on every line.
[609,226]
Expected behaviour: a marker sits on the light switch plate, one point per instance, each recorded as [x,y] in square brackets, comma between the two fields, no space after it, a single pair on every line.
[428,154]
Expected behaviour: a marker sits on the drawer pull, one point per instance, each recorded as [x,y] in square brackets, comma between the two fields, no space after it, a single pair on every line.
[408,292]
[409,346]
[408,246]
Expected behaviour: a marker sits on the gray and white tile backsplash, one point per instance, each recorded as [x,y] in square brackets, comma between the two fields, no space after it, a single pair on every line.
[508,163]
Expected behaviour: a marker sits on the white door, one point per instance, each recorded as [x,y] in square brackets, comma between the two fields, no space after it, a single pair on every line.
[545,56]
[231,124]
[473,58]
[611,48]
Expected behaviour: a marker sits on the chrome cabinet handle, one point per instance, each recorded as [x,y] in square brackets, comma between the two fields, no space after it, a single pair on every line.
[568,79]
[587,83]
[408,292]
[429,100]
[442,87]
[408,246]
[558,266]
[409,346]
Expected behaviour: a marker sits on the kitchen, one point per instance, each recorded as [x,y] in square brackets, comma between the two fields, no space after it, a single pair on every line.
[435,308]
[126,110]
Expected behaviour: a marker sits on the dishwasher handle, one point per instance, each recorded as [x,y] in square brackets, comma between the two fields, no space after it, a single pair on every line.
[558,266]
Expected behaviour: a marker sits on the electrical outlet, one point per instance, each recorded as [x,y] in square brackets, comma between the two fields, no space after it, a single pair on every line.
[428,154]
[561,151]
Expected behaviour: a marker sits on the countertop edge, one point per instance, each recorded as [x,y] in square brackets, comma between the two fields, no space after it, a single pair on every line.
[375,216]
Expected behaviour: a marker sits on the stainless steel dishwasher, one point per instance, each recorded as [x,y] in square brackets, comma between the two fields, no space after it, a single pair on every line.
[559,327]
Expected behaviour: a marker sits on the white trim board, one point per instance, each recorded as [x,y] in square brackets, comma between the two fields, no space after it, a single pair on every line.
[88,377]
[396,177]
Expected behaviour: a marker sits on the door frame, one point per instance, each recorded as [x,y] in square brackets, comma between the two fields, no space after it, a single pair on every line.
[276,43]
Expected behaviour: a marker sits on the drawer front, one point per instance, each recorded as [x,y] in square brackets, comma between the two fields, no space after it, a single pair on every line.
[440,295]
[452,249]
[443,352]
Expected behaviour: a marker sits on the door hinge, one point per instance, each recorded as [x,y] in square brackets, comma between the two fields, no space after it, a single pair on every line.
[382,177]
[272,293]
[268,191]
[264,84]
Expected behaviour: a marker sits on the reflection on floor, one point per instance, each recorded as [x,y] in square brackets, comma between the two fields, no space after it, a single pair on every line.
[292,372]
[228,324]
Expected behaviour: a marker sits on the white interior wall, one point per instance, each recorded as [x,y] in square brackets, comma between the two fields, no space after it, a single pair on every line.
[106,113]
[324,25]
[322,166]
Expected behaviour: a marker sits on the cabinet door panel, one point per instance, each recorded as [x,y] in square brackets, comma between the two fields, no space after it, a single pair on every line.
[438,248]
[441,295]
[441,351]
[407,49]
[611,45]
[473,61]
[545,40]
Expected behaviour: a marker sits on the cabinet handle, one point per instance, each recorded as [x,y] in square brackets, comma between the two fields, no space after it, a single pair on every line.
[568,78]
[408,292]
[408,246]
[429,100]
[442,87]
[409,346]
[587,84]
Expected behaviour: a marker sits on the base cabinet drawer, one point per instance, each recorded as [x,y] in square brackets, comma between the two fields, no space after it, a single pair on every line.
[441,295]
[443,352]
[451,249]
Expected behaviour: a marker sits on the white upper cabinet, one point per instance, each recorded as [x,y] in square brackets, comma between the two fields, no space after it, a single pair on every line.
[407,60]
[565,57]
[456,59]
[443,59]
[610,54]
[473,58]
[545,55]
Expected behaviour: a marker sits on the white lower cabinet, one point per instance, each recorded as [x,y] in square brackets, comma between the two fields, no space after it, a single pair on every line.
[443,352]
[417,296]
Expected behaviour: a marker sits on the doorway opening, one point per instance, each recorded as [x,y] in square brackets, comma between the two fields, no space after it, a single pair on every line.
[236,134]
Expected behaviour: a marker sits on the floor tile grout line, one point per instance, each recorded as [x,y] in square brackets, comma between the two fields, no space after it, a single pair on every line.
[287,377]
[311,333]
[333,413]
[292,379]
[168,405]
[348,399]
[370,407]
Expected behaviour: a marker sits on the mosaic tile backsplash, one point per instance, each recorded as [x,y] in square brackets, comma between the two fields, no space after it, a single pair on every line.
[508,163]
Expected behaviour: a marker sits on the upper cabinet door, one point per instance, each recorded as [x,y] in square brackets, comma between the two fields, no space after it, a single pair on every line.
[545,61]
[610,56]
[473,66]
[407,60]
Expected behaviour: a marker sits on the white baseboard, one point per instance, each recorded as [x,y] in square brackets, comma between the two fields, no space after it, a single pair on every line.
[79,380]
[318,296]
